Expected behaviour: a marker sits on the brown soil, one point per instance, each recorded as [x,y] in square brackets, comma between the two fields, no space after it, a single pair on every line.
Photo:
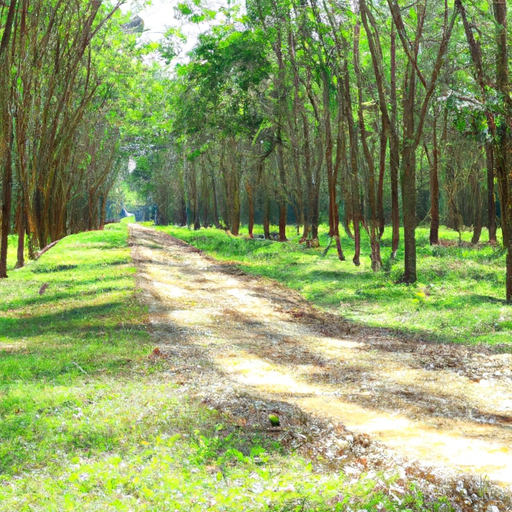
[360,397]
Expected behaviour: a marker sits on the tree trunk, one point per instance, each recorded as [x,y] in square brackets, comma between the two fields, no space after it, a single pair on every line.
[103,211]
[6,209]
[434,189]
[504,139]
[310,189]
[357,241]
[339,249]
[491,202]
[394,153]
[328,144]
[374,223]
[235,205]
[205,194]
[20,260]
[194,196]
[341,151]
[6,136]
[282,222]
[354,179]
[389,121]
[281,193]
[250,200]
[315,191]
[408,169]
[382,172]
[214,201]
[477,230]
[266,219]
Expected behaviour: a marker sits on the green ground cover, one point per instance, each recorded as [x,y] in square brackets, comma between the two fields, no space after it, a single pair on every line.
[459,296]
[89,422]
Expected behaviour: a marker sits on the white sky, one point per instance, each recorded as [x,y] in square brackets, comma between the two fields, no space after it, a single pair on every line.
[159,16]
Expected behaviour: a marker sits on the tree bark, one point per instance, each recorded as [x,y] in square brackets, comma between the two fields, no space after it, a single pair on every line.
[374,223]
[477,229]
[214,200]
[434,188]
[20,224]
[6,210]
[6,136]
[491,201]
[389,121]
[382,172]
[250,200]
[414,120]
[283,204]
[266,219]
[408,171]
[504,138]
[354,178]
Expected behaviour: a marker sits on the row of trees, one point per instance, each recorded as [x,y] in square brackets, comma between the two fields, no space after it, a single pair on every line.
[365,114]
[326,107]
[64,95]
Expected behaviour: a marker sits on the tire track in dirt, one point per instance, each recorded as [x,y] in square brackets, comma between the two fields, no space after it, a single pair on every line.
[447,406]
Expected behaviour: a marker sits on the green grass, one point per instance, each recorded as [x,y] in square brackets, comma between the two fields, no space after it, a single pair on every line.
[459,296]
[88,422]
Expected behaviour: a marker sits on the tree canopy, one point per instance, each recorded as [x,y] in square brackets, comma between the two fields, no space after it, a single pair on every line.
[363,115]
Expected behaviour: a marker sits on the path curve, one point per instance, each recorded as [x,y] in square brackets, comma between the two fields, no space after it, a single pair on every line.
[443,405]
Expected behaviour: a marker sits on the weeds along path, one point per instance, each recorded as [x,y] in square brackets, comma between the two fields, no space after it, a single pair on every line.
[233,335]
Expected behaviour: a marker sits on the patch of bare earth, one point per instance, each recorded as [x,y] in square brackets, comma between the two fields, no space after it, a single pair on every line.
[357,399]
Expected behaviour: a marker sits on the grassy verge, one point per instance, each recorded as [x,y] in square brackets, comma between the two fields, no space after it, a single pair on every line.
[89,422]
[459,296]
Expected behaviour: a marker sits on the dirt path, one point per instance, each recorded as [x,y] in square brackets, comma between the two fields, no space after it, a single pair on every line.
[230,334]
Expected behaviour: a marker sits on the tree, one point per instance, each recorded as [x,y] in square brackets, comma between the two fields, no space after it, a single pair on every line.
[61,76]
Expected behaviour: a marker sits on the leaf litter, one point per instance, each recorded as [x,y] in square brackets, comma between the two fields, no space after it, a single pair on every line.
[361,400]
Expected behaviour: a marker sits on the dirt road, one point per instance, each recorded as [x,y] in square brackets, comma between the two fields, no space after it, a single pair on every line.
[230,334]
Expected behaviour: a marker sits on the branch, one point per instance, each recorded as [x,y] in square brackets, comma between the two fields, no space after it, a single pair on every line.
[402,33]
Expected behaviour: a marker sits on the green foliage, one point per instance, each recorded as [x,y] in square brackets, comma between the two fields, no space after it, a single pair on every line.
[457,297]
[169,47]
[227,66]
[89,422]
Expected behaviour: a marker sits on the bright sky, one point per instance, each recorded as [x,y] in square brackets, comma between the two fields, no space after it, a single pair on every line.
[159,16]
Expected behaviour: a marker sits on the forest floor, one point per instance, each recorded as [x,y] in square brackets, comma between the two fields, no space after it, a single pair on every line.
[249,347]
